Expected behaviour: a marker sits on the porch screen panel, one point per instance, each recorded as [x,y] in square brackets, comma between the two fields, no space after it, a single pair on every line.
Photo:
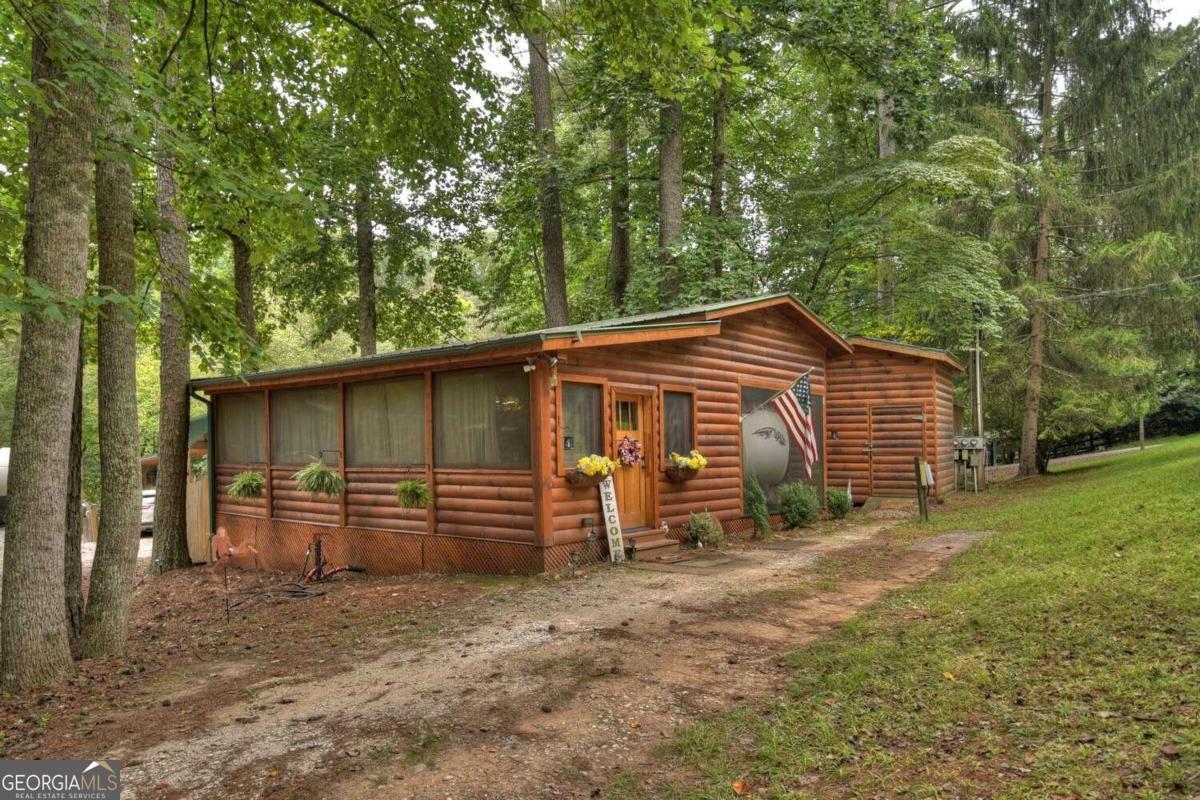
[481,418]
[239,427]
[582,422]
[304,426]
[678,416]
[385,423]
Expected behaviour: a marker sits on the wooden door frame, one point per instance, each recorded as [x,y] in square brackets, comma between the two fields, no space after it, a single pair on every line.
[871,406]
[648,394]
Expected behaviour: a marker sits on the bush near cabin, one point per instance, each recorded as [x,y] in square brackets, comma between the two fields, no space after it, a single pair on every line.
[799,504]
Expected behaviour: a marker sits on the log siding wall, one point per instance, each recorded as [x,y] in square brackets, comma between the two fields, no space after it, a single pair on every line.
[868,379]
[762,349]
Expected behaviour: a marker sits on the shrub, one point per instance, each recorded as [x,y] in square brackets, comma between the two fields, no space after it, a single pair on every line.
[413,494]
[705,529]
[838,503]
[316,478]
[799,504]
[755,500]
[246,485]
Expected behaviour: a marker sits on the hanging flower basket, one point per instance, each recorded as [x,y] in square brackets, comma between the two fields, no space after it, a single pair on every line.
[577,478]
[591,470]
[680,474]
[629,452]
[684,468]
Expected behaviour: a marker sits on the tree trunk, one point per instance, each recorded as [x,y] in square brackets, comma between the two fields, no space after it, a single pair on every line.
[670,196]
[110,588]
[618,256]
[1041,276]
[553,254]
[886,281]
[73,532]
[243,284]
[716,187]
[34,649]
[364,242]
[170,502]
[1141,431]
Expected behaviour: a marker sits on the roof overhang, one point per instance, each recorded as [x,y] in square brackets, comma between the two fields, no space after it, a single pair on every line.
[817,327]
[464,354]
[900,348]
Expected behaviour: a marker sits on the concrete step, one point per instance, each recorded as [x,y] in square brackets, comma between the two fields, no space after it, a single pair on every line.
[648,548]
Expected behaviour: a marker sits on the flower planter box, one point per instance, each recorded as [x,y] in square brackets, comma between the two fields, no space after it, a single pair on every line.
[577,478]
[680,474]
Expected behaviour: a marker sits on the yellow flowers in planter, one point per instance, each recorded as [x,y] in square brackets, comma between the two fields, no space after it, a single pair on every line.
[683,468]
[591,470]
[594,465]
[693,461]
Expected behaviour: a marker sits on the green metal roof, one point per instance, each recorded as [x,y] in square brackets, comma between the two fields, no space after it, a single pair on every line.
[453,349]
[655,320]
[924,348]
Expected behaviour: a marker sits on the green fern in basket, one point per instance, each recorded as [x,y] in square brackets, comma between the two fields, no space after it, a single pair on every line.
[413,494]
[247,485]
[317,479]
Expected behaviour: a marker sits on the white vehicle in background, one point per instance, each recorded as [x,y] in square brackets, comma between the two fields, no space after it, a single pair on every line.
[3,485]
[148,496]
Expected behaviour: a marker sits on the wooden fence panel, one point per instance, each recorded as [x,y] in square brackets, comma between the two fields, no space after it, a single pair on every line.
[198,520]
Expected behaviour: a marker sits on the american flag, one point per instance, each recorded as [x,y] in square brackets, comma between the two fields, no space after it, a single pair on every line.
[795,406]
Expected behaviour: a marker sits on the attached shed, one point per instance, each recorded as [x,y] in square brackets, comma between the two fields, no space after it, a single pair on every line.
[887,403]
[495,427]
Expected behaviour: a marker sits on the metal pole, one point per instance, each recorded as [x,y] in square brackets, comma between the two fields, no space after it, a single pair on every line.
[980,469]
[978,382]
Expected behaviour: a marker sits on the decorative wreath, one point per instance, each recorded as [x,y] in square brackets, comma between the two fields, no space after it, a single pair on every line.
[629,452]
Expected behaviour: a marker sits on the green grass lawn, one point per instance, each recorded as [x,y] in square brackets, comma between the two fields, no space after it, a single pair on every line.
[1058,659]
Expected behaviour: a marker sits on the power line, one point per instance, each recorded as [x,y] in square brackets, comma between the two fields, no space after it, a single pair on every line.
[1119,292]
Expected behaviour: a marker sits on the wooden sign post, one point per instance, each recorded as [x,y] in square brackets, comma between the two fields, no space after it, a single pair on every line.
[924,476]
[612,520]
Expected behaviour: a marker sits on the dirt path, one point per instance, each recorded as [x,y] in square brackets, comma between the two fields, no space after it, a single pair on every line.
[544,692]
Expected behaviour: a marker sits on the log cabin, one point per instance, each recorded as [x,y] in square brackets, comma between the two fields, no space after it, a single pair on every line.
[495,428]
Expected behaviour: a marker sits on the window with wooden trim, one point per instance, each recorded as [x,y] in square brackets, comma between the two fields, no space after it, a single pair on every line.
[679,422]
[385,423]
[304,426]
[239,428]
[582,423]
[481,418]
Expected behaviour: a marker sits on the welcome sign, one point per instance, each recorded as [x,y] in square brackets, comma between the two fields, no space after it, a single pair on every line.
[612,519]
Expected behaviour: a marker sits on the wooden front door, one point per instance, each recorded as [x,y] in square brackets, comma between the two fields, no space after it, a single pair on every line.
[897,434]
[631,417]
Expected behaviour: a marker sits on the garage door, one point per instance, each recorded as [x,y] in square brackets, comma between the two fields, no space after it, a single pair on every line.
[897,434]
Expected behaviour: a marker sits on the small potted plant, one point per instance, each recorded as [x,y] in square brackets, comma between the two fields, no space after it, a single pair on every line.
[591,470]
[317,479]
[683,468]
[247,485]
[413,493]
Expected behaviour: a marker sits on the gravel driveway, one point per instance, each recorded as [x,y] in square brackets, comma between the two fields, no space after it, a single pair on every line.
[88,551]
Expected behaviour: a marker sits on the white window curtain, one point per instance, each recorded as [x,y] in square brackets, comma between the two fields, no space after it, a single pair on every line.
[582,422]
[385,423]
[239,428]
[677,422]
[304,426]
[481,418]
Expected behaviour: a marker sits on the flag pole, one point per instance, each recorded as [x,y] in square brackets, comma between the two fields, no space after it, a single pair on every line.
[768,401]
